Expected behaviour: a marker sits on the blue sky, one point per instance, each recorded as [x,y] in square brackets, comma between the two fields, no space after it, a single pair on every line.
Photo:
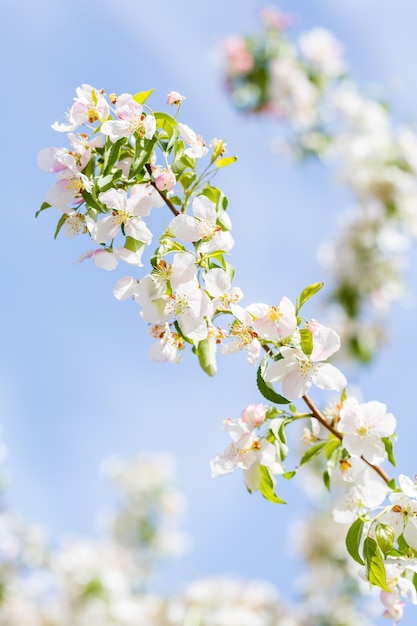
[75,383]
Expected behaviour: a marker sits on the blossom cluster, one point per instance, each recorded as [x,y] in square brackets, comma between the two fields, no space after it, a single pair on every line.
[307,85]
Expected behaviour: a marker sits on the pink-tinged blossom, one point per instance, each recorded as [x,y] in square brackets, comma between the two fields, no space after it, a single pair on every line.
[247,451]
[165,180]
[238,58]
[54,160]
[273,322]
[125,213]
[254,415]
[174,98]
[89,106]
[108,258]
[131,120]
[364,426]
[297,372]
[394,607]
[68,190]
[200,227]
[198,148]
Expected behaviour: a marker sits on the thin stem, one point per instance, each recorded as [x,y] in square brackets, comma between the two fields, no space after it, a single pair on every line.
[165,199]
[320,418]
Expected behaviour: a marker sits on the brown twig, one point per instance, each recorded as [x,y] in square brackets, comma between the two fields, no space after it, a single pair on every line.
[165,199]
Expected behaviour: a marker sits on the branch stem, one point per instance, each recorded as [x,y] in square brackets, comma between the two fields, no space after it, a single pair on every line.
[318,415]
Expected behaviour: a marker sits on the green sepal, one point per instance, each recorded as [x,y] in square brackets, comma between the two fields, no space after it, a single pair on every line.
[225,161]
[374,562]
[181,334]
[265,388]
[312,452]
[392,484]
[306,337]
[385,537]
[206,352]
[134,245]
[389,449]
[307,293]
[142,96]
[44,206]
[267,486]
[60,224]
[353,540]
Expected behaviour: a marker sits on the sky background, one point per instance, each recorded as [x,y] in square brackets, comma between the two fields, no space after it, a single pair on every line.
[75,382]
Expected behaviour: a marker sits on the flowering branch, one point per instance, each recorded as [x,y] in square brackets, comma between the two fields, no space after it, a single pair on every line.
[107,184]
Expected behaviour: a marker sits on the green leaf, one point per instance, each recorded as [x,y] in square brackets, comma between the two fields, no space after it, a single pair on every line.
[331,446]
[173,140]
[186,179]
[143,152]
[105,182]
[353,540]
[265,388]
[288,475]
[385,537]
[327,479]
[91,202]
[112,154]
[166,123]
[225,161]
[206,352]
[267,486]
[389,449]
[306,341]
[142,96]
[312,452]
[44,205]
[375,568]
[307,293]
[60,224]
